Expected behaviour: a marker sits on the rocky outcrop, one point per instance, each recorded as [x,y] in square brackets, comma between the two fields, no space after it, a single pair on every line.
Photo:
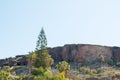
[11,61]
[56,53]
[116,53]
[21,60]
[82,53]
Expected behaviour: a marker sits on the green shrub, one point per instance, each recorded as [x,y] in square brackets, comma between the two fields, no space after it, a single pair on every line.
[5,76]
[85,70]
[42,74]
[48,74]
[60,76]
[37,71]
[93,71]
[63,66]
[6,68]
[110,62]
[118,64]
[39,78]
[19,78]
[100,70]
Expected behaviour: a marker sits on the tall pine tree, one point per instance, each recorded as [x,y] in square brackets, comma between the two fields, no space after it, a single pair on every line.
[42,41]
[43,59]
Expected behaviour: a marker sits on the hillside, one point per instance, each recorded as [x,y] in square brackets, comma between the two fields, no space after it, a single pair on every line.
[84,60]
[77,53]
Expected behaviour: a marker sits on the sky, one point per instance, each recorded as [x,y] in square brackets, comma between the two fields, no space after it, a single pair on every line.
[64,22]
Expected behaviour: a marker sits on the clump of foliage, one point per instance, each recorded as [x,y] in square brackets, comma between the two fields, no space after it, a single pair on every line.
[60,76]
[88,71]
[63,66]
[42,74]
[6,68]
[38,71]
[98,73]
[84,70]
[102,59]
[110,62]
[118,64]
[100,70]
[5,76]
[30,58]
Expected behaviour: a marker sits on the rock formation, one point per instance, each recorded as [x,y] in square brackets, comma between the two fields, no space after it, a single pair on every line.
[81,53]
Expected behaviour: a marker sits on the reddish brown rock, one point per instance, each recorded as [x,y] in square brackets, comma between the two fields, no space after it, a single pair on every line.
[80,52]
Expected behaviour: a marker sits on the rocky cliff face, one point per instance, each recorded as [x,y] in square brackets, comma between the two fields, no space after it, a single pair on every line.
[84,53]
[116,53]
[75,53]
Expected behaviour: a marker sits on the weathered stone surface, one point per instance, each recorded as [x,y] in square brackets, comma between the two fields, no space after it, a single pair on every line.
[80,52]
[18,60]
[2,61]
[21,60]
[116,53]
[56,53]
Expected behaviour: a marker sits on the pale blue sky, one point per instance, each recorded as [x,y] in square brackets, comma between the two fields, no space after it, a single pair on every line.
[64,22]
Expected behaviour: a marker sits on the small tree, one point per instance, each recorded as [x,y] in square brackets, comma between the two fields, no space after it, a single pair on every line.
[102,59]
[43,59]
[63,67]
[30,58]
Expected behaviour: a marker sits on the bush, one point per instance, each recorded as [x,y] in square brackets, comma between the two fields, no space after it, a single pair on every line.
[48,74]
[63,67]
[42,74]
[118,64]
[37,71]
[100,70]
[5,76]
[60,76]
[93,71]
[39,78]
[85,70]
[110,62]
[6,68]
